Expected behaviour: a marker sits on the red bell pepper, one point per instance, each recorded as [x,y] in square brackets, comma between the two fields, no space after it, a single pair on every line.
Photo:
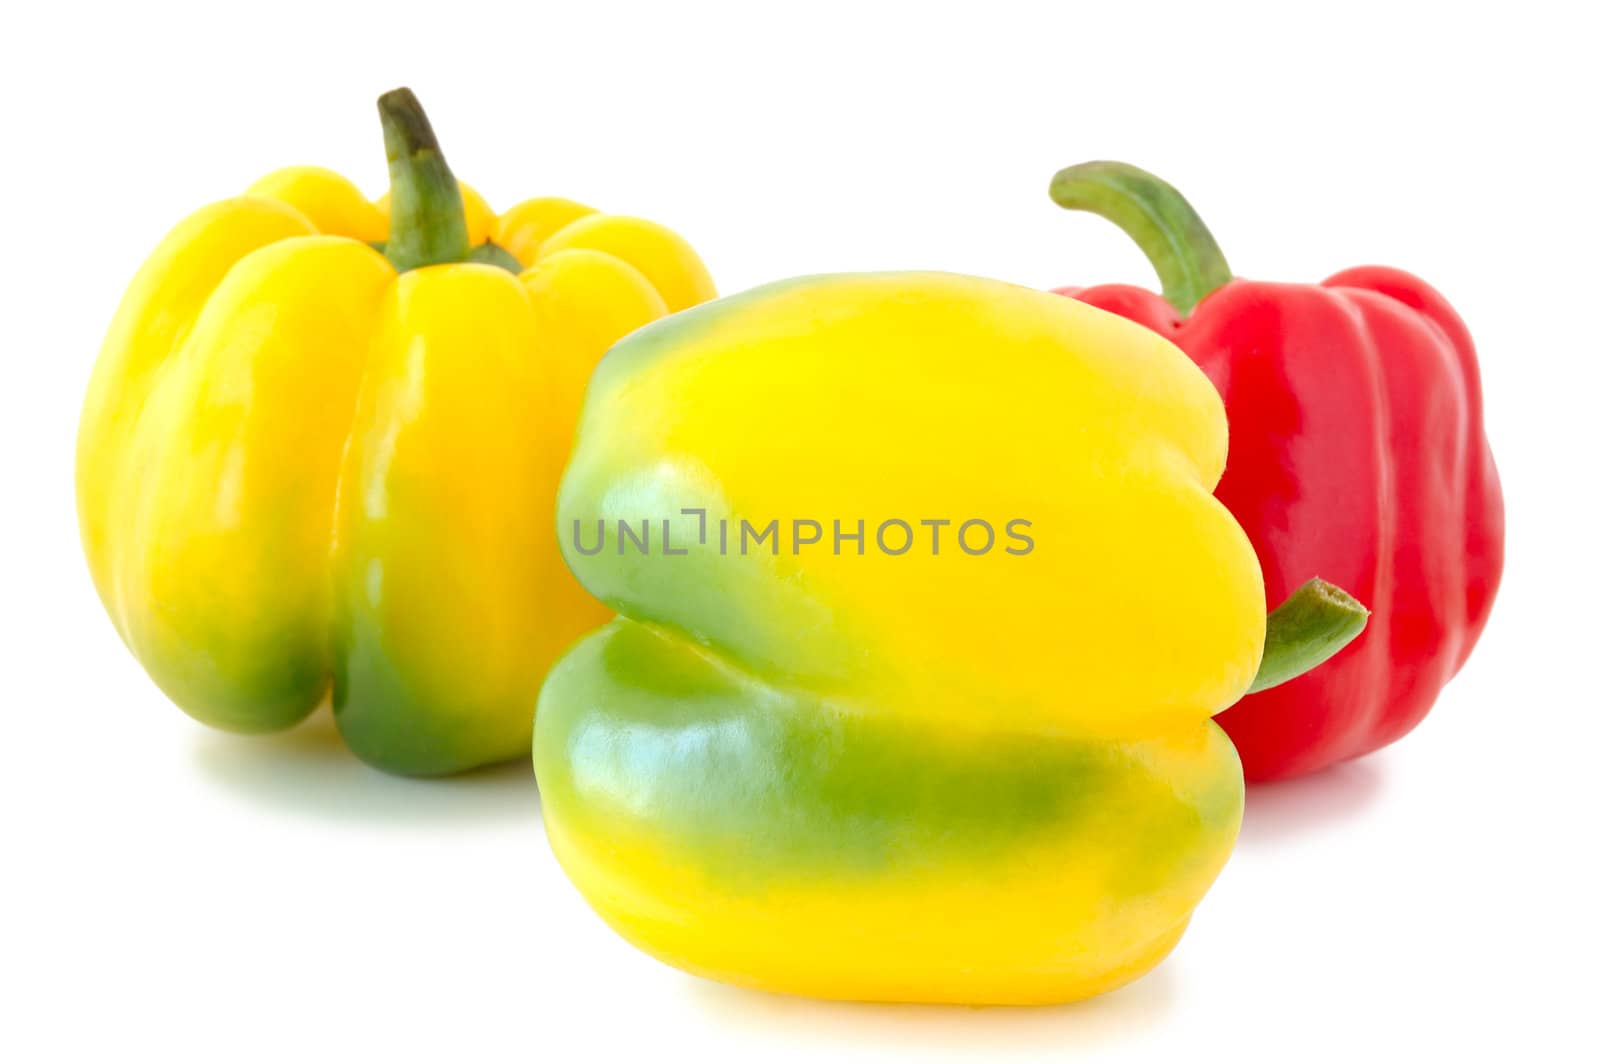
[1356,453]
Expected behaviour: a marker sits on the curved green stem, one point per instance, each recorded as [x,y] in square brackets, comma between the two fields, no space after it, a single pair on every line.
[427,222]
[1166,228]
[1307,628]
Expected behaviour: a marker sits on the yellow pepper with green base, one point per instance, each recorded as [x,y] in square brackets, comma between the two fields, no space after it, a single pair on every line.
[306,463]
[856,760]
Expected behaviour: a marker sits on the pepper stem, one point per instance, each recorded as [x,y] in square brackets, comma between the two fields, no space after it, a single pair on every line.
[1307,628]
[1166,228]
[427,221]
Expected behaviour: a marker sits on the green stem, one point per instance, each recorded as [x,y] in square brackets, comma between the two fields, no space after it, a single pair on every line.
[1166,228]
[427,222]
[1307,628]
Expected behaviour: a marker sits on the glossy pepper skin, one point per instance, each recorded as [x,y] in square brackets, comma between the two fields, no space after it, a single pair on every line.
[304,466]
[1357,453]
[942,777]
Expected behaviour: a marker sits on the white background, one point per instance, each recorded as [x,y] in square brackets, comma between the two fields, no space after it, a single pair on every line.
[176,894]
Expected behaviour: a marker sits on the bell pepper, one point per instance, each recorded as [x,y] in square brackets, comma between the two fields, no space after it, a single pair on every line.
[925,607]
[306,464]
[1357,453]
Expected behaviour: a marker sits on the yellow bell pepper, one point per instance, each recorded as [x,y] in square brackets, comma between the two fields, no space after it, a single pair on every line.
[309,464]
[926,606]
